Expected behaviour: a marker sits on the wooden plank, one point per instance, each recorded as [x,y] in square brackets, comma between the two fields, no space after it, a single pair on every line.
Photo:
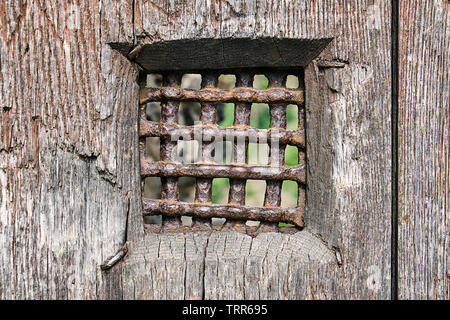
[424,123]
[223,265]
[348,109]
[66,177]
[192,53]
[69,162]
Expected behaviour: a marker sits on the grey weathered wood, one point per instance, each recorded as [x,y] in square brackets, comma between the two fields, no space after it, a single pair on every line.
[424,124]
[67,106]
[69,170]
[349,196]
[221,265]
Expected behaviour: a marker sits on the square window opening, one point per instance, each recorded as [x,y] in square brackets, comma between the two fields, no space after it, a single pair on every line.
[291,156]
[260,82]
[186,220]
[292,82]
[186,189]
[239,175]
[153,111]
[189,113]
[253,223]
[154,80]
[152,149]
[191,81]
[153,219]
[187,151]
[223,152]
[291,117]
[258,153]
[218,222]
[254,193]
[260,116]
[152,188]
[220,190]
[289,194]
[225,114]
[226,81]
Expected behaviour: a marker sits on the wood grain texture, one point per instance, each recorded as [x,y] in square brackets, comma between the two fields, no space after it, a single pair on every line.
[67,106]
[69,155]
[424,153]
[222,265]
[348,111]
[194,53]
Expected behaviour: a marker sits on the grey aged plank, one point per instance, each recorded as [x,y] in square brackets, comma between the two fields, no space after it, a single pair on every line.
[221,265]
[193,53]
[69,162]
[67,106]
[348,110]
[424,123]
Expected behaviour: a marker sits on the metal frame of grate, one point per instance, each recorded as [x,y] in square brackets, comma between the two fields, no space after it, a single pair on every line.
[277,96]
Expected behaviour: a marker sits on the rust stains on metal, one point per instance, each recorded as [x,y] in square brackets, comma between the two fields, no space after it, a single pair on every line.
[249,95]
[277,120]
[158,129]
[204,170]
[203,190]
[242,119]
[277,137]
[172,225]
[238,212]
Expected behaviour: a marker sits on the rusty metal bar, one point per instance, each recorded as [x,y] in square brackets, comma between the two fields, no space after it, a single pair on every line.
[203,188]
[233,171]
[278,97]
[169,113]
[214,95]
[174,225]
[240,145]
[278,120]
[174,209]
[301,196]
[156,129]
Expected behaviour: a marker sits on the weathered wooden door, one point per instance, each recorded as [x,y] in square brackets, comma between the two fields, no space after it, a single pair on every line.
[377,109]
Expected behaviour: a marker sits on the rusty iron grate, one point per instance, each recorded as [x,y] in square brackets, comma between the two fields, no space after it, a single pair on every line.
[208,132]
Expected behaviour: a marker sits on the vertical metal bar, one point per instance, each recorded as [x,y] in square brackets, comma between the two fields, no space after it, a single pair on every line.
[241,117]
[169,113]
[142,143]
[142,140]
[277,120]
[203,189]
[301,198]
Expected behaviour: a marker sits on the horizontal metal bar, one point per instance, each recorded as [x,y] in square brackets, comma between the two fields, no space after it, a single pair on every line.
[203,170]
[151,129]
[267,214]
[174,225]
[241,94]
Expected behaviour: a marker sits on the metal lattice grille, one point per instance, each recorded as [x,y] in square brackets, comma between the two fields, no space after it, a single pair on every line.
[207,132]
